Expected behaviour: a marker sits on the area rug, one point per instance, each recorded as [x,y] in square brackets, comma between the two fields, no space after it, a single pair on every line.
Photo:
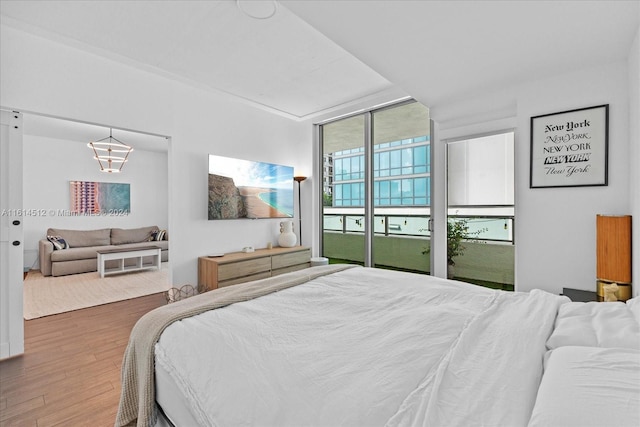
[44,296]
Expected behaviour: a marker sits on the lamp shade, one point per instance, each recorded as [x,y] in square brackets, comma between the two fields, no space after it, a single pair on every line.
[613,248]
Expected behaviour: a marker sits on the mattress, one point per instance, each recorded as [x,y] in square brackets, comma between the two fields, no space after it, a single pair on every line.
[175,408]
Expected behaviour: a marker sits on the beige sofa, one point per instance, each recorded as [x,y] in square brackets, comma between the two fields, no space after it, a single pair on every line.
[81,255]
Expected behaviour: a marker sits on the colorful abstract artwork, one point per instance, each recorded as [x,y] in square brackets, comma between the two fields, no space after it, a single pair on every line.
[100,198]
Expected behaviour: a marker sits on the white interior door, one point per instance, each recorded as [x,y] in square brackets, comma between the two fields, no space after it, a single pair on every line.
[11,236]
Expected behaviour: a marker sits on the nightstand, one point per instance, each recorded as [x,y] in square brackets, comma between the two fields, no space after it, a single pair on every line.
[578,295]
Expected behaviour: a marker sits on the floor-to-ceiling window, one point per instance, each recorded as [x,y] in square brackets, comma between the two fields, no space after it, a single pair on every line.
[384,153]
[377,195]
[343,216]
[401,186]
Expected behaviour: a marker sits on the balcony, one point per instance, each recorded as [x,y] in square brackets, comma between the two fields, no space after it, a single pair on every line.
[400,241]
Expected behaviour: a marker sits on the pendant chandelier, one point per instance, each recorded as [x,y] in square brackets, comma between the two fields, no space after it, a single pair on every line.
[110,153]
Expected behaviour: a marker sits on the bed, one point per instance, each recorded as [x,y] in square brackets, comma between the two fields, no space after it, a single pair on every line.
[342,345]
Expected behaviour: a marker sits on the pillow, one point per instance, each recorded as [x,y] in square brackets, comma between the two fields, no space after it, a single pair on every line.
[595,324]
[634,306]
[157,235]
[82,238]
[121,236]
[58,242]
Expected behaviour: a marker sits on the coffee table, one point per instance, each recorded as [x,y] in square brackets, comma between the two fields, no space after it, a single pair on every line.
[121,255]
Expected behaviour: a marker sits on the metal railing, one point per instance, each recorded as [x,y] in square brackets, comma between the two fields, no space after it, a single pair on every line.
[485,228]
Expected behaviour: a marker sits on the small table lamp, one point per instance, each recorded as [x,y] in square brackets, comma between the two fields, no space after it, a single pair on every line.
[613,255]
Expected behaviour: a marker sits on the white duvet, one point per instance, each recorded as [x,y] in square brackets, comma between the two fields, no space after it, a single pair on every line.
[364,347]
[589,387]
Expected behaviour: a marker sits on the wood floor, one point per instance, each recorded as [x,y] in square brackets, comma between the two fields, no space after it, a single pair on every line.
[70,372]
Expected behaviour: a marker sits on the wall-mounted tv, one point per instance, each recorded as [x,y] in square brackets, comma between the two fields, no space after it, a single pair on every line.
[245,189]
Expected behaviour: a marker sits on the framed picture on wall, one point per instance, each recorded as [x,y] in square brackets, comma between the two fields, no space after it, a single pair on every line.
[570,148]
[100,198]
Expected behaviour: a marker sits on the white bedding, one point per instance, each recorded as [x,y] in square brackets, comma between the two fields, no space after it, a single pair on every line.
[364,347]
[596,324]
[589,386]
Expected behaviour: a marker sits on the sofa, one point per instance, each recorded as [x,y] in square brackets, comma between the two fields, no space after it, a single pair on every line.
[75,251]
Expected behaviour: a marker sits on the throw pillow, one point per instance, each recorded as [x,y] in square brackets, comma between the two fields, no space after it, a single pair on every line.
[58,242]
[158,235]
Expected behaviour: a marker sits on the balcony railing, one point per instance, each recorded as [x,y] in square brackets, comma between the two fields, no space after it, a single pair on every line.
[485,228]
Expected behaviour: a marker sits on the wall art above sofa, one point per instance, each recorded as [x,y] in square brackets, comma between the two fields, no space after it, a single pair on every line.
[100,198]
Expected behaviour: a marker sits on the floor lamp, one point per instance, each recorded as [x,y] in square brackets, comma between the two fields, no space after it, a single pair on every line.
[299,179]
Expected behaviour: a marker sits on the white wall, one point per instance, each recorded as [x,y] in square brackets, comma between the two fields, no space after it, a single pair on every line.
[555,227]
[49,165]
[555,231]
[209,125]
[90,88]
[634,157]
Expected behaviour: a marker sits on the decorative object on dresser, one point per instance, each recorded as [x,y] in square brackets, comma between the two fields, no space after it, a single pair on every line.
[82,246]
[239,267]
[287,237]
[613,253]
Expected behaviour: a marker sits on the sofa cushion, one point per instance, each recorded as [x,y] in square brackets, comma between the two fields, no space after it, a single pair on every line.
[120,236]
[73,254]
[83,238]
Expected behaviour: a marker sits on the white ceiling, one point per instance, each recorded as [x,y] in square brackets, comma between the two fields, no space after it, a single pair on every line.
[314,57]
[68,130]
[449,51]
[280,63]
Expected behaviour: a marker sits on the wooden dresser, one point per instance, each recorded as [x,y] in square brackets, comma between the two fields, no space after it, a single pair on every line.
[239,267]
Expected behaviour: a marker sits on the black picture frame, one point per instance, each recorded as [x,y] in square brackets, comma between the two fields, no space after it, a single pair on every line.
[570,148]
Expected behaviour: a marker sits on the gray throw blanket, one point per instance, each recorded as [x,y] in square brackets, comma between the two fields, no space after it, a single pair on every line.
[137,399]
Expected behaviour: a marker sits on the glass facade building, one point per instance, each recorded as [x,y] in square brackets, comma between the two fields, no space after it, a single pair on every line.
[400,170]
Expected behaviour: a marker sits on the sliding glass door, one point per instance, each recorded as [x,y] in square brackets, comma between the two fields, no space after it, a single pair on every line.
[376,188]
[401,187]
[343,190]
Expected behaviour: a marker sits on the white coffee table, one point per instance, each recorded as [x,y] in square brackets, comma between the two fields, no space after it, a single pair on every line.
[125,254]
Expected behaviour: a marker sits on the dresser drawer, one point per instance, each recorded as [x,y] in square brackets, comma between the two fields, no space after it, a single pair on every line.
[244,279]
[290,259]
[244,268]
[290,269]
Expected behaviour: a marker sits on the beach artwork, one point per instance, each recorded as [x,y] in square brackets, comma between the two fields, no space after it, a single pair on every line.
[245,189]
[100,198]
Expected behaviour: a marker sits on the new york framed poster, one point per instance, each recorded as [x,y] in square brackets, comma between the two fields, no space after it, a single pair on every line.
[570,148]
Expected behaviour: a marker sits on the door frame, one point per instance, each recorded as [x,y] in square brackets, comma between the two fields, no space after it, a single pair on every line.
[11,236]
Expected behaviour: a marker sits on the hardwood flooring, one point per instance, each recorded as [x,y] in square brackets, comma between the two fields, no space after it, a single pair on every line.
[70,372]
